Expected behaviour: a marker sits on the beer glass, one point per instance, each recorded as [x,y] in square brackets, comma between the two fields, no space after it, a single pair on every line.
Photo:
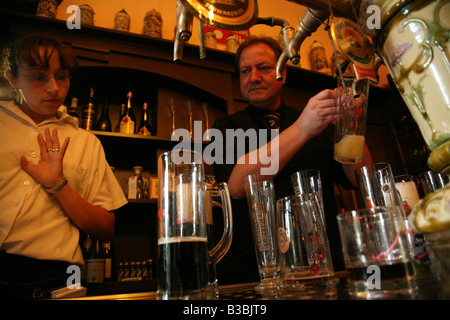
[184,261]
[303,243]
[309,182]
[216,196]
[377,255]
[377,187]
[351,118]
[432,181]
[260,194]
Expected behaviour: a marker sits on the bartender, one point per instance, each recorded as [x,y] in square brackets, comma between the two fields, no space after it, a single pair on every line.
[306,141]
[55,179]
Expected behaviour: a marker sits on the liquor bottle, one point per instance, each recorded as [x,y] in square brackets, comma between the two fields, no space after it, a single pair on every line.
[122,113]
[104,123]
[144,273]
[137,185]
[133,269]
[73,110]
[87,247]
[149,269]
[95,268]
[145,128]
[138,270]
[128,122]
[142,186]
[107,255]
[89,113]
[120,272]
[126,271]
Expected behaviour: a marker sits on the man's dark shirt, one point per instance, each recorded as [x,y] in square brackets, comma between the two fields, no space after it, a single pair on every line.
[239,264]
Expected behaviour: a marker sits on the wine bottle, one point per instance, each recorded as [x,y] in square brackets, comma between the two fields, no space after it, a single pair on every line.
[122,113]
[145,128]
[107,255]
[104,123]
[73,110]
[128,122]
[87,247]
[89,113]
[95,268]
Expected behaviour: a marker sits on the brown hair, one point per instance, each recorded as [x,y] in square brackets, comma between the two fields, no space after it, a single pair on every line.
[252,40]
[25,50]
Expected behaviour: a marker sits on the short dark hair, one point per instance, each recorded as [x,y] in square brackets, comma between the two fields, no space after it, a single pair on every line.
[252,40]
[25,49]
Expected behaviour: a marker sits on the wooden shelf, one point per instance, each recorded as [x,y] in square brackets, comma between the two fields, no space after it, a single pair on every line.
[143,201]
[138,136]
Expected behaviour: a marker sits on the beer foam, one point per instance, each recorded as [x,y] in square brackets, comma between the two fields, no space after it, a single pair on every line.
[181,239]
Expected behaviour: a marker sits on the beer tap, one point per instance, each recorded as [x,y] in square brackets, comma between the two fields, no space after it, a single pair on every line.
[309,23]
[290,52]
[183,30]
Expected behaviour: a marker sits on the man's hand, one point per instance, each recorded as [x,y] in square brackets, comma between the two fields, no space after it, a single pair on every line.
[318,113]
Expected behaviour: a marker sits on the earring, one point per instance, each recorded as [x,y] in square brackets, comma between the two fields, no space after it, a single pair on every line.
[18,100]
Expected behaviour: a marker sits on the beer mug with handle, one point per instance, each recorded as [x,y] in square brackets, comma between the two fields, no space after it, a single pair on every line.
[185,264]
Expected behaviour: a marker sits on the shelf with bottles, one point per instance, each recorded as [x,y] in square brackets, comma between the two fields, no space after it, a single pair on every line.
[98,260]
[171,104]
[112,86]
[131,136]
[104,264]
[125,150]
[113,118]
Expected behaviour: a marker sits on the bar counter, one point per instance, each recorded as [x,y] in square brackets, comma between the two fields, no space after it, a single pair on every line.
[428,289]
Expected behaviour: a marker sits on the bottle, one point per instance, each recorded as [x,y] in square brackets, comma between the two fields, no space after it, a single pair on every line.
[145,128]
[122,113]
[120,272]
[138,270]
[142,186]
[107,255]
[89,113]
[128,122]
[126,271]
[133,269]
[137,185]
[144,273]
[149,269]
[104,123]
[87,247]
[95,268]
[73,110]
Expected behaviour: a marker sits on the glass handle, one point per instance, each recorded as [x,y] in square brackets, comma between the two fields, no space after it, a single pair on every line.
[222,247]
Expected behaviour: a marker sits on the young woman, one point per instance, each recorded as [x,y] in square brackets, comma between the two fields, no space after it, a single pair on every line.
[54,177]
